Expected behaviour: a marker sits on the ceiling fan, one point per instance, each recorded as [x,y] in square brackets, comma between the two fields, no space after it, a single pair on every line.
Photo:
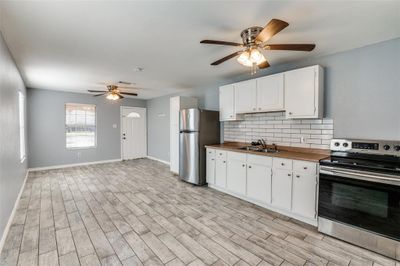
[254,41]
[113,91]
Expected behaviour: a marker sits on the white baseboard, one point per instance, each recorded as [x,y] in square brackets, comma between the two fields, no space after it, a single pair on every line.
[11,218]
[71,165]
[159,160]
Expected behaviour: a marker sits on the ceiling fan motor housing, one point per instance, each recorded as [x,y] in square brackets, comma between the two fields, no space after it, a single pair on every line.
[249,35]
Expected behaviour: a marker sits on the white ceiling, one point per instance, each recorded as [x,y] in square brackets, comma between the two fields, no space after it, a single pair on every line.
[75,45]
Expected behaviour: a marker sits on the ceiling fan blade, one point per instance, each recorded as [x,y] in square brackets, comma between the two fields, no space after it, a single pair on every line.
[95,91]
[221,43]
[120,95]
[263,65]
[272,28]
[226,58]
[99,94]
[128,93]
[291,47]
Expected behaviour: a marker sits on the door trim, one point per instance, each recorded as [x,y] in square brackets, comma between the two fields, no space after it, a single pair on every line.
[121,108]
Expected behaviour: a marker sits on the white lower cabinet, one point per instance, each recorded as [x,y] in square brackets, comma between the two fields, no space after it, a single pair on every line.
[220,168]
[304,195]
[210,166]
[259,183]
[283,185]
[282,188]
[236,173]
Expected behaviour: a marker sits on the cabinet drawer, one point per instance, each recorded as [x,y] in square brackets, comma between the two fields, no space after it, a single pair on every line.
[220,154]
[305,167]
[259,159]
[210,153]
[236,156]
[279,163]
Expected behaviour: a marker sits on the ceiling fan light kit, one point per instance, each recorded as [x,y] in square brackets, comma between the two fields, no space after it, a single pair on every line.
[113,97]
[114,93]
[254,39]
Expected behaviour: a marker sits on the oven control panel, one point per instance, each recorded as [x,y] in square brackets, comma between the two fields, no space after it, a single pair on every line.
[366,146]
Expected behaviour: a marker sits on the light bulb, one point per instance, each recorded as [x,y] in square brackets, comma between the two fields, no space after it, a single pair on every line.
[244,59]
[255,56]
[113,96]
[249,58]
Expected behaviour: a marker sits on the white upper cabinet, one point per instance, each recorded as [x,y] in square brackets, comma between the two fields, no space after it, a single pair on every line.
[270,93]
[245,93]
[304,92]
[298,92]
[227,103]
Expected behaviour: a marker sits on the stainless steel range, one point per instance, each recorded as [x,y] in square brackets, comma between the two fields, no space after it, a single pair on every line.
[359,194]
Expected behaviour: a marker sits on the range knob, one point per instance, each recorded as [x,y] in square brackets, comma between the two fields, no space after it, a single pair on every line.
[386,147]
[345,144]
[337,144]
[396,148]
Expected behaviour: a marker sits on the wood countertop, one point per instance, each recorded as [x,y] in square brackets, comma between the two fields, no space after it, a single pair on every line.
[294,153]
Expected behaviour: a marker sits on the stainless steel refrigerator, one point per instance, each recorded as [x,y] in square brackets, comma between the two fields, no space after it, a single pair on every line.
[196,128]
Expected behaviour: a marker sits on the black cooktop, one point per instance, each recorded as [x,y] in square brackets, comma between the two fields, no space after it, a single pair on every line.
[362,161]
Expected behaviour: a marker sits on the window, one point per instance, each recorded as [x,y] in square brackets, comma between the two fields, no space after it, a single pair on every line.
[80,125]
[21,107]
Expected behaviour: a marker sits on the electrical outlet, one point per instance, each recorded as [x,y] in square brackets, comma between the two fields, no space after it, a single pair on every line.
[302,140]
[114,125]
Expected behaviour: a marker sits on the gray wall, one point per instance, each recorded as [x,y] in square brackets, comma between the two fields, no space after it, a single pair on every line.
[46,128]
[158,119]
[12,171]
[362,94]
[362,90]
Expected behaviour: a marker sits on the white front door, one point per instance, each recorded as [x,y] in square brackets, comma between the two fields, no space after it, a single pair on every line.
[134,133]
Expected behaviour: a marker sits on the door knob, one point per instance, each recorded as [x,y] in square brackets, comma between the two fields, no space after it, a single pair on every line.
[123,138]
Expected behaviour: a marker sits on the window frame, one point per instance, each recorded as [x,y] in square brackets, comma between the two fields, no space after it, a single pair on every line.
[95,126]
[21,126]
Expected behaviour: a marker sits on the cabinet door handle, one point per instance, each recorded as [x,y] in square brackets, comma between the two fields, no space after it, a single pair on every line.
[282,164]
[243,165]
[223,161]
[288,174]
[290,113]
[305,167]
[212,159]
[249,166]
[297,176]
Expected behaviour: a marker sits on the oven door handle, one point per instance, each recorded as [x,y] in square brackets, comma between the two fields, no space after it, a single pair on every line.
[361,175]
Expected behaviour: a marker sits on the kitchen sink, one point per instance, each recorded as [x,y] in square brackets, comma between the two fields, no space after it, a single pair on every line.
[258,149]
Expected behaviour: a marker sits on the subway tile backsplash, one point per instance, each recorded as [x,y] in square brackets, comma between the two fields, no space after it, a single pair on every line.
[275,128]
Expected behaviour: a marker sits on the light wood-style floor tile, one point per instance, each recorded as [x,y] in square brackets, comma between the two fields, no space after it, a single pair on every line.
[137,213]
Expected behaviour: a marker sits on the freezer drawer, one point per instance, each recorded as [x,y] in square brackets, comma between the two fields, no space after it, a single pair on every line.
[189,161]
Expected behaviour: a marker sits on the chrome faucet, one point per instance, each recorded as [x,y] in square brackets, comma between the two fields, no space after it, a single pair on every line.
[262,143]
